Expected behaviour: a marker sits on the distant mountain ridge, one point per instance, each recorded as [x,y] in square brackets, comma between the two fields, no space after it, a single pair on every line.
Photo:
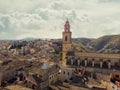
[104,44]
[84,41]
[29,39]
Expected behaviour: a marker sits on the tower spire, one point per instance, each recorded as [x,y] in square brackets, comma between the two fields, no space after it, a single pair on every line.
[67,26]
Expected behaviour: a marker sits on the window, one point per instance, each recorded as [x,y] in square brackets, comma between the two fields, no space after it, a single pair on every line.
[117,76]
[68,73]
[112,86]
[65,38]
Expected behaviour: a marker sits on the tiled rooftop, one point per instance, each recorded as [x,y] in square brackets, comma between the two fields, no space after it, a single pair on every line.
[98,55]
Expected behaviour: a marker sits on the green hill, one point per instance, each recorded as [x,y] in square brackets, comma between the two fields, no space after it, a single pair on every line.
[106,44]
[80,47]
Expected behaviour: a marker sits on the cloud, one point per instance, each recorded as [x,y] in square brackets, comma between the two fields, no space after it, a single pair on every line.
[109,1]
[20,23]
[45,19]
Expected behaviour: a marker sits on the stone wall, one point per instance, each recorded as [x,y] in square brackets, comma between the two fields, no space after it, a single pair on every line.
[66,73]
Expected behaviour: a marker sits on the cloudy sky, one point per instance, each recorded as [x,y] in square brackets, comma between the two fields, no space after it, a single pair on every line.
[45,18]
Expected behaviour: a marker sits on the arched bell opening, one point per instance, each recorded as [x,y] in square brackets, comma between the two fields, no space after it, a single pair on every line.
[105,64]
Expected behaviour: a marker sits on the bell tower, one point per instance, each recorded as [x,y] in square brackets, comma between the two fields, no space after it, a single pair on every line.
[66,42]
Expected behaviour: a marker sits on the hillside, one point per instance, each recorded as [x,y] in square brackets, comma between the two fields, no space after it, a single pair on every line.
[80,48]
[84,41]
[106,44]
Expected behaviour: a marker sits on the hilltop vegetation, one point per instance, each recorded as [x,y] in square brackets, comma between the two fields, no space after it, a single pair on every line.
[80,47]
[83,41]
[105,44]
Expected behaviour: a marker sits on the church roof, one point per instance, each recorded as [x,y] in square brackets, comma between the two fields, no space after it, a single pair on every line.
[98,55]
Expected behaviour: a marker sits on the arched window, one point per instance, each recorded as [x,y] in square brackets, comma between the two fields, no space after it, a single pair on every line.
[65,38]
[68,73]
[117,76]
